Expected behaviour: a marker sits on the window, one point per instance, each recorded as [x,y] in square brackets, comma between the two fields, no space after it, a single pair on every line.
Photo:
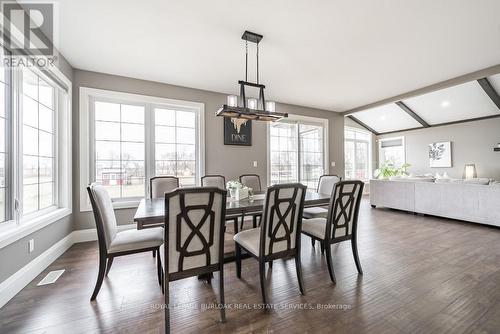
[175,144]
[297,150]
[392,150]
[5,91]
[119,148]
[35,149]
[129,138]
[357,144]
[38,133]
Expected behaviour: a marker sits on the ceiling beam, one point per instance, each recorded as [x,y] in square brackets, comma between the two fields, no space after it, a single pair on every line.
[428,89]
[412,114]
[490,91]
[444,124]
[354,119]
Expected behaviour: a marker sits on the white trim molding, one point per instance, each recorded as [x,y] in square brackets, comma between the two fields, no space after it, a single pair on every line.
[86,95]
[20,279]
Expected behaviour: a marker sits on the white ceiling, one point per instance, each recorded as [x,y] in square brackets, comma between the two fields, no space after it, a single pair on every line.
[456,103]
[387,118]
[329,54]
[495,82]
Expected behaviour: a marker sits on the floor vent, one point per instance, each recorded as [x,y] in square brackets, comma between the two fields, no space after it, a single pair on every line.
[51,277]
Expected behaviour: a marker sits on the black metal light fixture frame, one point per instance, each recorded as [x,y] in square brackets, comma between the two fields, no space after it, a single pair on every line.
[242,110]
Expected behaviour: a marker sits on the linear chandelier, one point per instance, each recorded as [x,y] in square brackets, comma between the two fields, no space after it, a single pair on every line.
[250,108]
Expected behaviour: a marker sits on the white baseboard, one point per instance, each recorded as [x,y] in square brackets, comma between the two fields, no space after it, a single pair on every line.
[15,283]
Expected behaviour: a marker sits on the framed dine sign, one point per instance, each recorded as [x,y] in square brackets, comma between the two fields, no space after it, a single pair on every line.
[237,131]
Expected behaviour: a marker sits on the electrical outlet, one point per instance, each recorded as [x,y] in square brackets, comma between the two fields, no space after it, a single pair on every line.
[255,163]
[31,245]
[333,163]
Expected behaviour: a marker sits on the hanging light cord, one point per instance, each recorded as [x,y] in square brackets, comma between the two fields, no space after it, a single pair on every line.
[246,60]
[257,63]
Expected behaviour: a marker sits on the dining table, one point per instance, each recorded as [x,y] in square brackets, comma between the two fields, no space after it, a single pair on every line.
[151,211]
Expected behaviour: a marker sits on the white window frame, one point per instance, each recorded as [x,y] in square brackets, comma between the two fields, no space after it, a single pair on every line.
[87,95]
[304,120]
[369,141]
[402,138]
[20,226]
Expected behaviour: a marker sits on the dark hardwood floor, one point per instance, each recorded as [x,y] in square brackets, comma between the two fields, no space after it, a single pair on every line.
[421,275]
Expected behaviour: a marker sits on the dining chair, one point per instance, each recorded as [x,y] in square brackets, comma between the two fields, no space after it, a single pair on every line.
[159,185]
[341,223]
[279,233]
[251,181]
[194,238]
[218,181]
[113,243]
[325,186]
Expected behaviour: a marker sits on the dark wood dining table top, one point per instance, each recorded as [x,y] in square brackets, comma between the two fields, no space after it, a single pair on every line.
[151,212]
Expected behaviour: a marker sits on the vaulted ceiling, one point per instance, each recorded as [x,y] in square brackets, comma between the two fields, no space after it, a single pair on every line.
[330,54]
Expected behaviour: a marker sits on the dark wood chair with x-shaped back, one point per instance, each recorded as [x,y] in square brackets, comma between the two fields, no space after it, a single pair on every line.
[194,238]
[341,223]
[279,233]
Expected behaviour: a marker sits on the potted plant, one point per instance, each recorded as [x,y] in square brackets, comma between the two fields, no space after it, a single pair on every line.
[388,169]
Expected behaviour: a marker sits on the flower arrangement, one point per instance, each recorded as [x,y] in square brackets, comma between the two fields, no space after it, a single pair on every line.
[233,185]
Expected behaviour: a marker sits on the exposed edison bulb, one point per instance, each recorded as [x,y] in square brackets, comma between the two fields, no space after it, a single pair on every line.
[232,100]
[270,106]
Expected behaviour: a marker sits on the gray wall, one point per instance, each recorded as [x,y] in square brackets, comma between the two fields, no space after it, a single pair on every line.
[230,161]
[472,142]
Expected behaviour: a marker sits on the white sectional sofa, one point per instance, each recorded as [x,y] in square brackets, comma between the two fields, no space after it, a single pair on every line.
[478,203]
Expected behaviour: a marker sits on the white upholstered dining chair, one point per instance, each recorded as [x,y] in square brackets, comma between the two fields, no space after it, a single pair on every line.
[325,186]
[251,181]
[194,238]
[113,243]
[279,233]
[341,223]
[218,181]
[159,185]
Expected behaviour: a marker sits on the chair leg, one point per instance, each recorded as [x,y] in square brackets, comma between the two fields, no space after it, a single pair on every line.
[235,225]
[322,244]
[354,246]
[262,274]
[254,221]
[167,308]
[238,259]
[110,263]
[154,253]
[329,262]
[162,282]
[298,267]
[100,276]
[313,243]
[158,267]
[221,292]
[270,264]
[242,222]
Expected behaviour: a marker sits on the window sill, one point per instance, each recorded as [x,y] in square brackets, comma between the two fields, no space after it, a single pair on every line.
[118,205]
[10,232]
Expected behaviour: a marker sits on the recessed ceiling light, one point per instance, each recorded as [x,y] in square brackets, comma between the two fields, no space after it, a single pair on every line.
[445,104]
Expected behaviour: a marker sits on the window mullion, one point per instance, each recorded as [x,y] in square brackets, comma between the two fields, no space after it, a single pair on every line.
[149,128]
